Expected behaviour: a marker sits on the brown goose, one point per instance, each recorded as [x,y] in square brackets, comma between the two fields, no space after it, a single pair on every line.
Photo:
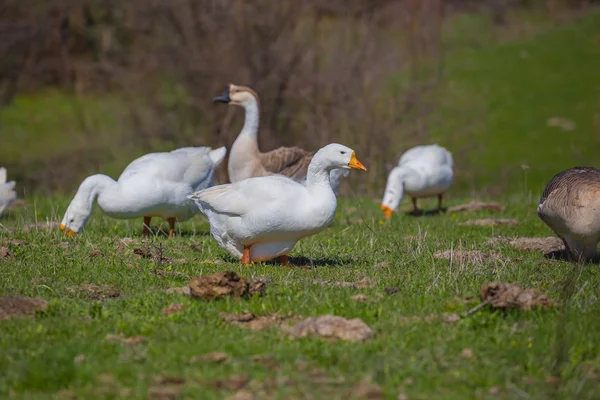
[570,206]
[245,158]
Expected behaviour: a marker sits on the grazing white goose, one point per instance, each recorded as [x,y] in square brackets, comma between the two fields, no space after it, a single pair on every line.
[7,191]
[246,160]
[261,218]
[570,206]
[154,185]
[422,171]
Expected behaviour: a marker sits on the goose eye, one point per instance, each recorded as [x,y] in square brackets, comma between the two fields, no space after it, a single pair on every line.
[343,152]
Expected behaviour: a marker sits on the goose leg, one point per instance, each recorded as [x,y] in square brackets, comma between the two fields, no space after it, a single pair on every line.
[283,260]
[415,209]
[171,226]
[246,256]
[439,210]
[146,230]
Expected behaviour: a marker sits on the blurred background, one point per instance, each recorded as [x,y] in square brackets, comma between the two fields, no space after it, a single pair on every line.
[510,87]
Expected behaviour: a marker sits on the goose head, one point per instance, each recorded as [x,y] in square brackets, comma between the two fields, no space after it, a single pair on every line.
[75,218]
[336,155]
[237,95]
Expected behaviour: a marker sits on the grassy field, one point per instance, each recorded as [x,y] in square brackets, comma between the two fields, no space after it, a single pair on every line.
[416,353]
[515,104]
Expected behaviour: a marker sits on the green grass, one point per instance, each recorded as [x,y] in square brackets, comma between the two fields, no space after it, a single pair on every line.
[64,354]
[499,88]
[498,95]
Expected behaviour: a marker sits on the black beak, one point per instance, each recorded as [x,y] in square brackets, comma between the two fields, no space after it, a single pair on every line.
[223,98]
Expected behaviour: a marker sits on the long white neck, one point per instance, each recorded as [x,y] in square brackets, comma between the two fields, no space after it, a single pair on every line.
[318,175]
[91,187]
[244,152]
[394,189]
[251,121]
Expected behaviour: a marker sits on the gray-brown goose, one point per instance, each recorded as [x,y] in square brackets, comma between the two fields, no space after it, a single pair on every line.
[245,158]
[570,206]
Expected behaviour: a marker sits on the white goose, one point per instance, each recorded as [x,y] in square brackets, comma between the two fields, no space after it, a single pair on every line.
[422,171]
[262,218]
[246,160]
[570,206]
[7,191]
[154,185]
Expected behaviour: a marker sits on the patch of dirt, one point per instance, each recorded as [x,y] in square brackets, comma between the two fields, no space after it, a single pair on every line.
[254,322]
[164,392]
[490,222]
[475,205]
[95,292]
[231,383]
[125,340]
[95,253]
[15,242]
[165,273]
[366,390]
[225,284]
[185,290]
[19,306]
[217,357]
[124,244]
[152,253]
[360,297]
[334,327]
[242,395]
[172,309]
[5,253]
[383,264]
[364,283]
[506,295]
[546,244]
[466,353]
[390,290]
[463,256]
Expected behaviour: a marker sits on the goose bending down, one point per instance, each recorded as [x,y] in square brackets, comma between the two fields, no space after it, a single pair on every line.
[246,160]
[154,185]
[261,218]
[7,191]
[570,206]
[422,171]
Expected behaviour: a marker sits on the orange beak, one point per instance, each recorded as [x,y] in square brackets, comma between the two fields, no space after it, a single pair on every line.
[355,164]
[71,233]
[62,227]
[388,211]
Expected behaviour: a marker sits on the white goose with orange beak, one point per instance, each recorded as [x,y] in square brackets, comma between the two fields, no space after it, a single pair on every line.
[154,185]
[261,218]
[423,171]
